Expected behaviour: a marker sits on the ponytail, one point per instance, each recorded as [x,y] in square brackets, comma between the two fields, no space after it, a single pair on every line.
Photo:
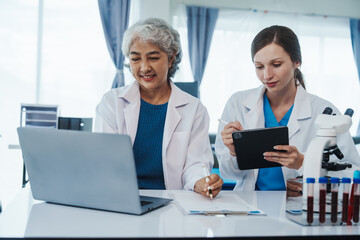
[299,76]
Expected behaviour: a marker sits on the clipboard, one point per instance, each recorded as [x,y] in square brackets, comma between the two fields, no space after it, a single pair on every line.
[225,203]
[251,144]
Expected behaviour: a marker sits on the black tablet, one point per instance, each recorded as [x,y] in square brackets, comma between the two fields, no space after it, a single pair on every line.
[251,144]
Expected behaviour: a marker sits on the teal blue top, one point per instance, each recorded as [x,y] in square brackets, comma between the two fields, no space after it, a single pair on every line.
[148,146]
[272,178]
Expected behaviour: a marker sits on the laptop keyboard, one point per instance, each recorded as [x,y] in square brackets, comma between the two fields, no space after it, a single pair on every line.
[143,203]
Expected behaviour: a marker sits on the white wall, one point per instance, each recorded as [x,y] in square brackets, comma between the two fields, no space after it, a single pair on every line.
[341,8]
[164,9]
[142,9]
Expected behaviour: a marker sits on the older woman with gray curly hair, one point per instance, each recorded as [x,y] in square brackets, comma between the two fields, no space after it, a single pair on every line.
[168,127]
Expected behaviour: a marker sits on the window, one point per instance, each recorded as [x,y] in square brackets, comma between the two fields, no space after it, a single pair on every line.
[76,66]
[76,69]
[328,63]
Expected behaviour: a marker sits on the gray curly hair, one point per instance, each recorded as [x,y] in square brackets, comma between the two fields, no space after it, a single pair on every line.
[159,33]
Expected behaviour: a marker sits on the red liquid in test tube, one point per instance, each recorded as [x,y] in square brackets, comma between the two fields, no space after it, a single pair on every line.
[356,208]
[310,199]
[345,200]
[334,198]
[310,209]
[322,199]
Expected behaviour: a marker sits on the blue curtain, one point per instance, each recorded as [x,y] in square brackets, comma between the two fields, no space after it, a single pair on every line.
[115,20]
[201,24]
[355,40]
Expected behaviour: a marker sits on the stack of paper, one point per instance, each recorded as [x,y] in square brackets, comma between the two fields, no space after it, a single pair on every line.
[193,203]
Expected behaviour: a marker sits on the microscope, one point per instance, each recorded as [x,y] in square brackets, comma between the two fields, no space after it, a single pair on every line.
[317,157]
[301,207]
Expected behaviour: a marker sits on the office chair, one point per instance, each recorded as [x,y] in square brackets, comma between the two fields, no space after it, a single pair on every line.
[212,137]
[229,184]
[37,115]
[80,124]
[191,88]
[356,140]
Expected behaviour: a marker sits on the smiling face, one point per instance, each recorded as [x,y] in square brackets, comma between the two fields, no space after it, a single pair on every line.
[274,68]
[149,65]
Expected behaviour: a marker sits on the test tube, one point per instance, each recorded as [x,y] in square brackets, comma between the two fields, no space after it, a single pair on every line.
[322,198]
[345,200]
[351,204]
[334,198]
[356,200]
[310,199]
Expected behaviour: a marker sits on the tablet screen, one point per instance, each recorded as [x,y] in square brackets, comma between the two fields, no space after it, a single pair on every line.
[251,144]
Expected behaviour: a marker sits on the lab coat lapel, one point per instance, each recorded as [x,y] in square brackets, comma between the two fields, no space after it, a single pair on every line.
[132,110]
[255,116]
[172,120]
[172,116]
[301,110]
[254,105]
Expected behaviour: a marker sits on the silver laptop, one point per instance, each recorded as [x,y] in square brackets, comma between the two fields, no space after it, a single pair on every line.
[92,170]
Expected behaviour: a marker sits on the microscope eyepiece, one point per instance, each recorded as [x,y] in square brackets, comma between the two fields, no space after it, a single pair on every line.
[327,111]
[349,112]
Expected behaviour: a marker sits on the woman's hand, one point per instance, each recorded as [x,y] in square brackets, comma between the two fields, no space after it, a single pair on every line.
[227,135]
[290,157]
[215,183]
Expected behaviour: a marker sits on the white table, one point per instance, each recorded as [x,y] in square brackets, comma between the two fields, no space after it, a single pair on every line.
[25,217]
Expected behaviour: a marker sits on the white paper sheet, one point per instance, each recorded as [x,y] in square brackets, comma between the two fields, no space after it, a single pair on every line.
[193,203]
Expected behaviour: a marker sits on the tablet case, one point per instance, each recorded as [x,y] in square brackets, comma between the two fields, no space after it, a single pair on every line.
[251,144]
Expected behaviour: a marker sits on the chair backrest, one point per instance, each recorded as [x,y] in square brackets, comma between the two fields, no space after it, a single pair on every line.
[39,115]
[191,88]
[70,123]
[356,140]
[212,138]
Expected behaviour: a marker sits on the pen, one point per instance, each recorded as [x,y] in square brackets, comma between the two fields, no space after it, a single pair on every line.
[207,180]
[222,121]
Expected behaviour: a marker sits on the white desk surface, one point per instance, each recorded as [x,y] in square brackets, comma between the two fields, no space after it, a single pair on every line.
[25,217]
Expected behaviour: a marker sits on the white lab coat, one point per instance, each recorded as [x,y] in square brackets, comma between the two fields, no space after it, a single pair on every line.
[247,108]
[185,147]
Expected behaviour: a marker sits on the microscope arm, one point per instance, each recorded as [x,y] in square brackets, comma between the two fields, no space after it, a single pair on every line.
[312,163]
[313,157]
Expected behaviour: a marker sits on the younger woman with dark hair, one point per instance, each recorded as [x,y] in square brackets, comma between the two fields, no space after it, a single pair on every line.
[281,101]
